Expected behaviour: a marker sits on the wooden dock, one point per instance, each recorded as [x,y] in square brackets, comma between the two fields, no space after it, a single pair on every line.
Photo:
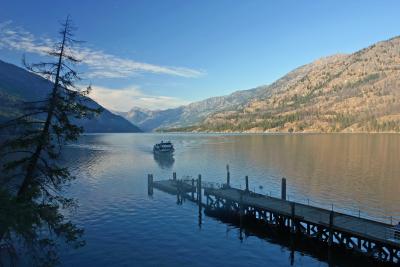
[365,236]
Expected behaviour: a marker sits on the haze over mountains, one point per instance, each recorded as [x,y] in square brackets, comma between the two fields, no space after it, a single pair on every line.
[341,93]
[190,114]
[17,84]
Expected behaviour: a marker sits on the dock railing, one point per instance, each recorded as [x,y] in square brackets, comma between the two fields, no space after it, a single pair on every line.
[350,226]
[391,220]
[340,212]
[393,234]
[204,184]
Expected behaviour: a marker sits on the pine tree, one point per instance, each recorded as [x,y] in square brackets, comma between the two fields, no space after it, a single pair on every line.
[32,178]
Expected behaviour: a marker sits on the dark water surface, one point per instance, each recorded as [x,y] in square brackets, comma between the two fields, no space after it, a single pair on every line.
[126,227]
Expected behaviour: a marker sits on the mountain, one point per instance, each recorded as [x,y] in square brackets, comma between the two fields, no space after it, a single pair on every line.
[358,92]
[191,114]
[149,120]
[17,84]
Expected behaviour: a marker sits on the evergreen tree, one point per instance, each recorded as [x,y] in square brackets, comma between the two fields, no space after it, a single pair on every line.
[32,178]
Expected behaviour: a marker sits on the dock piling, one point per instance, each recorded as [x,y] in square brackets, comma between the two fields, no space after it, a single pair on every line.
[330,241]
[150,184]
[317,223]
[178,193]
[174,176]
[228,176]
[292,209]
[283,188]
[241,210]
[199,190]
[199,203]
[193,189]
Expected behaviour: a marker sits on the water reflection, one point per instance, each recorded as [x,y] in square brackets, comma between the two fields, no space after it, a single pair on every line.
[353,171]
[297,245]
[164,161]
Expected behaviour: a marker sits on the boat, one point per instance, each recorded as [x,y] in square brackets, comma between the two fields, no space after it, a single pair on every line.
[163,148]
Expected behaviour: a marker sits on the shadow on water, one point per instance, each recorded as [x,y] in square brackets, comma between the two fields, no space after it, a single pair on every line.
[296,243]
[164,161]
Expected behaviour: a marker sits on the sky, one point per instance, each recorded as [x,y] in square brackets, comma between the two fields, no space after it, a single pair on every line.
[163,54]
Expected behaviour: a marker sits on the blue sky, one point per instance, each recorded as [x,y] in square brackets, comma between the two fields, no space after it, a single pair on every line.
[160,54]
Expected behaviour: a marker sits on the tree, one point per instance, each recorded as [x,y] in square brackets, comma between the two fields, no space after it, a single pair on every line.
[32,179]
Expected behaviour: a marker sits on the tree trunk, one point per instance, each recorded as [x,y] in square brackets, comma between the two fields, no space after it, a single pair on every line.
[30,170]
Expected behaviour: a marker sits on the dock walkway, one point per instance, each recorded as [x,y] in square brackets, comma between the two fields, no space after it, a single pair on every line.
[376,231]
[366,236]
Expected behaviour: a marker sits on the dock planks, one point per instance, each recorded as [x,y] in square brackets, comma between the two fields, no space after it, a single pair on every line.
[376,231]
[365,235]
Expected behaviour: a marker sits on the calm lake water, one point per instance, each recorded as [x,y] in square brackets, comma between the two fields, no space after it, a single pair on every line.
[126,227]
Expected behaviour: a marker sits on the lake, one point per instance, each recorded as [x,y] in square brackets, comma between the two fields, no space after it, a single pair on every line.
[356,173]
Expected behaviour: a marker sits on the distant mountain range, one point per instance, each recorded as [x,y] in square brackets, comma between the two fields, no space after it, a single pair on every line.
[357,92]
[191,114]
[17,84]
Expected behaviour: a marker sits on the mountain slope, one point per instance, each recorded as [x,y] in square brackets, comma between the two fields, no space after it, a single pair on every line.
[191,114]
[17,84]
[341,93]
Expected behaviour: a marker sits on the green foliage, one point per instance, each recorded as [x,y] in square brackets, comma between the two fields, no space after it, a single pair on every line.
[345,120]
[374,125]
[27,221]
[365,80]
[32,217]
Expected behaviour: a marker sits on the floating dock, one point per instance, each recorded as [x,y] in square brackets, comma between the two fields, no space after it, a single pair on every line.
[330,228]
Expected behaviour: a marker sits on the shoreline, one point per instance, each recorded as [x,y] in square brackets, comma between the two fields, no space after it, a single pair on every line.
[248,133]
[275,133]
